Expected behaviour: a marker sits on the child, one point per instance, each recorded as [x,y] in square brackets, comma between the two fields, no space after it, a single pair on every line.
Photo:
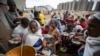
[45,30]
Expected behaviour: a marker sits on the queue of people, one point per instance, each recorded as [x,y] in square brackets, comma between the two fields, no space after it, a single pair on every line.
[68,33]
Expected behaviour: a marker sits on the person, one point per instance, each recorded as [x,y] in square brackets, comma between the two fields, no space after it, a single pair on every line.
[54,15]
[42,18]
[5,30]
[93,40]
[12,15]
[65,15]
[21,29]
[35,38]
[86,19]
[21,14]
[59,26]
[69,29]
[3,10]
[55,33]
[36,16]
[46,29]
[70,20]
[59,16]
[31,15]
[77,20]
[83,24]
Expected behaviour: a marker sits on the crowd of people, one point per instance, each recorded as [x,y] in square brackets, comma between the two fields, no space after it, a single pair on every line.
[76,36]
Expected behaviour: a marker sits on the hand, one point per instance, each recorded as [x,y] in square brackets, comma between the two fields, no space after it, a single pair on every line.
[76,39]
[16,39]
[44,43]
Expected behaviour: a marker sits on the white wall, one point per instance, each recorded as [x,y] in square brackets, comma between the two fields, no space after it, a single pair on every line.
[94,5]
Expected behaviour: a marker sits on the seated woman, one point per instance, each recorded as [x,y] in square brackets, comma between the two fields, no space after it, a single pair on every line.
[34,38]
[55,33]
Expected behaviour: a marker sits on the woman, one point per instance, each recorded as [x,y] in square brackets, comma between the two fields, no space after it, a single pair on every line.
[34,38]
[53,29]
[55,33]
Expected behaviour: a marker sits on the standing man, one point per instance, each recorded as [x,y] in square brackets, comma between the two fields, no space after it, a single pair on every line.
[4,27]
[31,15]
[93,40]
[12,15]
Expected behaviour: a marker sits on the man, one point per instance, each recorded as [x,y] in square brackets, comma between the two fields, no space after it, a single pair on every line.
[4,27]
[31,15]
[93,40]
[21,29]
[3,10]
[36,16]
[12,15]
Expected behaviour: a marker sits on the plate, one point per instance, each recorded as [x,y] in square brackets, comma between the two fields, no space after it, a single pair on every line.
[64,33]
[47,35]
[76,42]
[47,52]
[13,42]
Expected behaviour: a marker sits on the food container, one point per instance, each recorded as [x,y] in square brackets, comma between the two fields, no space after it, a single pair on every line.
[26,51]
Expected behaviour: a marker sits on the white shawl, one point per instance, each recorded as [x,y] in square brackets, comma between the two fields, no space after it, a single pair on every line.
[32,38]
[92,45]
[39,32]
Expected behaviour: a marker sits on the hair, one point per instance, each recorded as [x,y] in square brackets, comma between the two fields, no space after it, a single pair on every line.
[20,12]
[87,15]
[55,21]
[11,3]
[78,17]
[72,16]
[31,22]
[82,20]
[36,13]
[39,11]
[24,21]
[38,19]
[47,26]
[94,18]
[66,12]
[31,10]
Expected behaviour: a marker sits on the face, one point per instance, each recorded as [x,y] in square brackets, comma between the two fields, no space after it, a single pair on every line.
[94,27]
[13,8]
[33,26]
[52,23]
[3,7]
[47,28]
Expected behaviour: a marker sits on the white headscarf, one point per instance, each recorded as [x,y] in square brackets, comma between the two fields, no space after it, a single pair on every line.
[97,15]
[92,45]
[39,32]
[33,38]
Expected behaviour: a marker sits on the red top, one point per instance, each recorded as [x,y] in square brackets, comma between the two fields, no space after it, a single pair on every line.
[70,21]
[44,31]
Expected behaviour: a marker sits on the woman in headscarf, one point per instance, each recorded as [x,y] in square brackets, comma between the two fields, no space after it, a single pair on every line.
[34,38]
[55,33]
